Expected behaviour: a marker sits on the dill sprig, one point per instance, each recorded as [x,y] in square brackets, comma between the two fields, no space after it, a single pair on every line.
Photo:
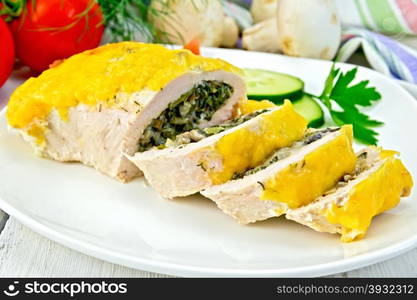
[132,19]
[127,18]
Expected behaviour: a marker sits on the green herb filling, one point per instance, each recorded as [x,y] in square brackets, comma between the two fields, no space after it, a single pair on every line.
[186,113]
[197,135]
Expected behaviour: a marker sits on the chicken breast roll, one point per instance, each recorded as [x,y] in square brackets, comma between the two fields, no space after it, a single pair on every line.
[201,158]
[122,98]
[377,184]
[291,177]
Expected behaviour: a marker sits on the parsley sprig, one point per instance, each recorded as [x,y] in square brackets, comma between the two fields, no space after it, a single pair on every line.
[344,99]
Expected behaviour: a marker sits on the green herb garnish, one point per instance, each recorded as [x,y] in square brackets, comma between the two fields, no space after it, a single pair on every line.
[124,18]
[132,19]
[339,91]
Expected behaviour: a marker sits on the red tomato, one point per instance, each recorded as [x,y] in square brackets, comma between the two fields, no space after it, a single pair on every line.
[193,46]
[49,30]
[6,52]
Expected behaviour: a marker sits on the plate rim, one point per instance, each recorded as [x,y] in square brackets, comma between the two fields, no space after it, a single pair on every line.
[179,269]
[174,269]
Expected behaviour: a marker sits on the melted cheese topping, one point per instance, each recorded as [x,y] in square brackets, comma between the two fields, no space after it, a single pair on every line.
[302,182]
[98,75]
[248,106]
[248,147]
[375,194]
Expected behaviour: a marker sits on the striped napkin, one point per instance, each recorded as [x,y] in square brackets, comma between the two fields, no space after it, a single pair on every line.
[364,23]
[394,17]
[384,54]
[385,16]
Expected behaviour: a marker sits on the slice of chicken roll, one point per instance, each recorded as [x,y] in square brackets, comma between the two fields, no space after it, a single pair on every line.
[377,184]
[122,98]
[291,177]
[201,158]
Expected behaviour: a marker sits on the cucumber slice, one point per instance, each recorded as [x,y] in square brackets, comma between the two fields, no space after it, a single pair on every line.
[310,110]
[273,86]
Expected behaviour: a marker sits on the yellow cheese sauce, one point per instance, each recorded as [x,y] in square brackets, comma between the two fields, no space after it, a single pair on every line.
[248,147]
[301,183]
[98,75]
[248,106]
[377,193]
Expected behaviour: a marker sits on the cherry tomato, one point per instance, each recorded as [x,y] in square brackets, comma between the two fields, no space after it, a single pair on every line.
[50,30]
[7,55]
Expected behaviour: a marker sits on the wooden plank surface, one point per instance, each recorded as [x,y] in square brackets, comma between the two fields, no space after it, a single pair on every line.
[26,253]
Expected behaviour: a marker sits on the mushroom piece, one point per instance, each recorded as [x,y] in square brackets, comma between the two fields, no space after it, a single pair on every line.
[262,10]
[230,32]
[262,37]
[309,28]
[305,28]
[181,21]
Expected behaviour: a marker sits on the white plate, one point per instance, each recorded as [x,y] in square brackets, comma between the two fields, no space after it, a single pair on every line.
[130,224]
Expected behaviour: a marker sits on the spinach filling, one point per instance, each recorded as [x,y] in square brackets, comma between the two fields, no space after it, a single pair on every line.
[285,152]
[197,105]
[197,135]
[318,134]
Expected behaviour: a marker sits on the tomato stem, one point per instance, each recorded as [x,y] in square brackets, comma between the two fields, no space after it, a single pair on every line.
[11,9]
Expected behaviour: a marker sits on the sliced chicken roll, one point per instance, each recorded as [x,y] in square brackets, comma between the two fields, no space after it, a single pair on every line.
[290,178]
[198,159]
[122,98]
[377,184]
